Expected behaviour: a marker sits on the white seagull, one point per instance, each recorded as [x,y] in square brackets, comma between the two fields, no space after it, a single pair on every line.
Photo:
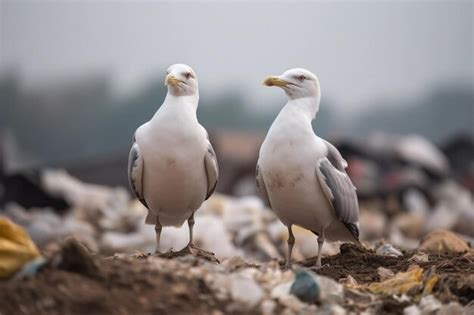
[302,177]
[172,166]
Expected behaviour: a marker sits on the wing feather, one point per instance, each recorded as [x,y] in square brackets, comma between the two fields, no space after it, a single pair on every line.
[339,190]
[135,172]
[261,188]
[212,170]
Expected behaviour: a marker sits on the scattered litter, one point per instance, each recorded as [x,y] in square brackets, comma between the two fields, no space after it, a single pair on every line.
[385,273]
[443,241]
[304,287]
[245,289]
[402,282]
[429,304]
[419,258]
[16,248]
[388,250]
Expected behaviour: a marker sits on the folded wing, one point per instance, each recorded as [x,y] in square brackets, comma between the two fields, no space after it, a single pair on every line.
[339,190]
[135,172]
[212,169]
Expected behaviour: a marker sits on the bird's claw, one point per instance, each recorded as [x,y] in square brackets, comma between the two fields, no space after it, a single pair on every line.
[318,267]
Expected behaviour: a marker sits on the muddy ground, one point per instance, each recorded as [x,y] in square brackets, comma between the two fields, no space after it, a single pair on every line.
[75,282]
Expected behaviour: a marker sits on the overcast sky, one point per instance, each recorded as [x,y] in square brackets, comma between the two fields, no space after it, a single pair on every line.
[362,51]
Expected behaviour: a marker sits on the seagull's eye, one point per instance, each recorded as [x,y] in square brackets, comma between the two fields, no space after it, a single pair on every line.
[188,75]
[301,78]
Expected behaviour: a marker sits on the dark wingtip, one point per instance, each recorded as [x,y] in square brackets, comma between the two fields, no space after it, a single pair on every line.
[353,229]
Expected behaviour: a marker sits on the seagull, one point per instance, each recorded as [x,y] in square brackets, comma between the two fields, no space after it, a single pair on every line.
[172,166]
[301,176]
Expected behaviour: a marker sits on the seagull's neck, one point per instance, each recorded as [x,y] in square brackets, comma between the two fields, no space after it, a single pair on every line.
[307,106]
[191,100]
[181,105]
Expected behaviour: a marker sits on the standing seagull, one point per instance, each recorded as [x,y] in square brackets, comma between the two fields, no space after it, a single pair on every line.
[301,176]
[172,166]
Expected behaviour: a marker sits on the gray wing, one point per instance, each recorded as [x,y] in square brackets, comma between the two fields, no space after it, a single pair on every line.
[335,157]
[338,188]
[212,169]
[261,188]
[135,172]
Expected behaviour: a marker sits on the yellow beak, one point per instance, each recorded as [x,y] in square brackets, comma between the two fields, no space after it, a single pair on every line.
[171,80]
[275,81]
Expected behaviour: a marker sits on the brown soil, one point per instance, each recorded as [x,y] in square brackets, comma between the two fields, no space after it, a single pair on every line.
[455,271]
[76,283]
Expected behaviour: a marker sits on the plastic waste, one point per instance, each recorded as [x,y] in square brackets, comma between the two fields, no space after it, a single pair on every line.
[16,248]
[305,287]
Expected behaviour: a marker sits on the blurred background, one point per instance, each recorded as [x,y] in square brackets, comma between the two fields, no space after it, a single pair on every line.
[78,77]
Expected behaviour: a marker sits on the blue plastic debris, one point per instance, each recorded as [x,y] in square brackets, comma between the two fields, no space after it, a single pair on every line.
[305,287]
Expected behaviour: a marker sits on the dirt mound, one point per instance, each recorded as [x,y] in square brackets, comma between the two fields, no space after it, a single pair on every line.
[77,283]
[74,282]
[455,271]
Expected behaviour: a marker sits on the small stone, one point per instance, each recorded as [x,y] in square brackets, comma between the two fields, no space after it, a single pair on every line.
[331,309]
[268,307]
[443,241]
[331,292]
[453,308]
[359,297]
[429,304]
[281,290]
[349,281]
[233,263]
[412,310]
[245,289]
[384,273]
[388,250]
[305,287]
[292,302]
[469,309]
[419,258]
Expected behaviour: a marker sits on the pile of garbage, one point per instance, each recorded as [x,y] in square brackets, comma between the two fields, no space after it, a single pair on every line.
[72,280]
[415,256]
[106,220]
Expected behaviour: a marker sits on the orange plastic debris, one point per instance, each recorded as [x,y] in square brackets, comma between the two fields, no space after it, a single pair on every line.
[16,248]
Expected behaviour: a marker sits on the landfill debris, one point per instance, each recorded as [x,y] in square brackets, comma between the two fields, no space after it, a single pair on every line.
[305,287]
[420,151]
[419,258]
[388,250]
[412,310]
[349,282]
[443,241]
[110,254]
[245,289]
[16,248]
[331,291]
[452,308]
[401,283]
[429,304]
[385,273]
[234,286]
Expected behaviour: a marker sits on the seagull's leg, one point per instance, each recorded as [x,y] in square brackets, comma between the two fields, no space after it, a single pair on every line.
[187,248]
[191,226]
[158,228]
[320,247]
[291,242]
[191,248]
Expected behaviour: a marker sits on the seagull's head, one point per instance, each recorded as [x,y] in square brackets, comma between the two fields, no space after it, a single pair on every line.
[181,80]
[297,83]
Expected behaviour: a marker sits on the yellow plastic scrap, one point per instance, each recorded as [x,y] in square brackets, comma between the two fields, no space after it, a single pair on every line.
[429,284]
[401,283]
[16,248]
